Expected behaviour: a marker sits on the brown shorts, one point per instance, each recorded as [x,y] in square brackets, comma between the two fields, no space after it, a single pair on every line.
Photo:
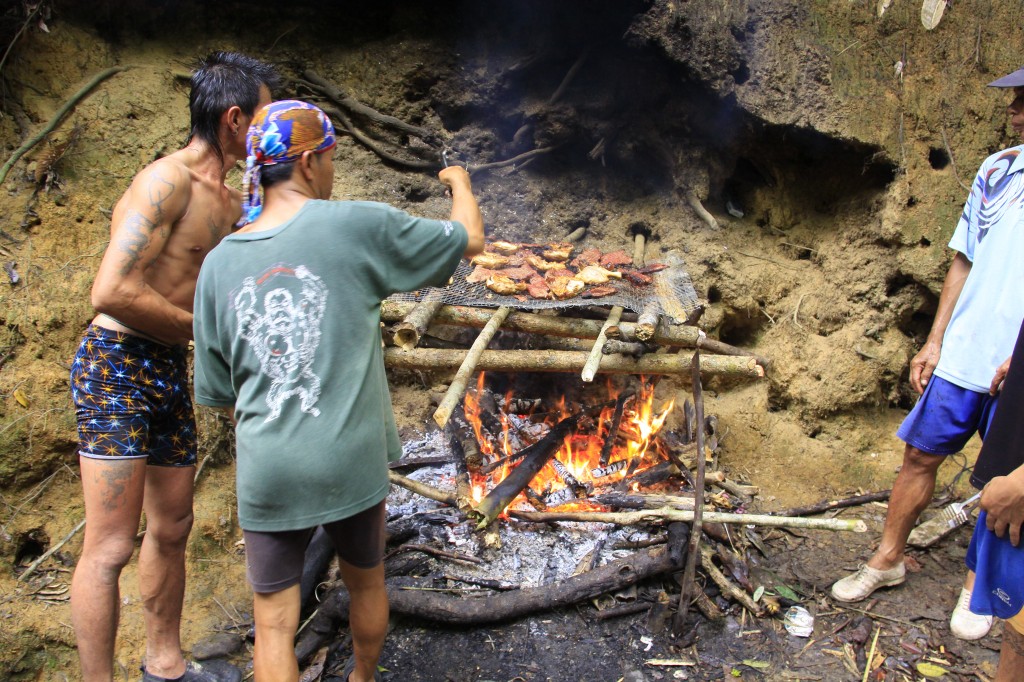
[273,560]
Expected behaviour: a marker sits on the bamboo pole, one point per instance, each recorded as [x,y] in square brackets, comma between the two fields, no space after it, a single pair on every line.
[593,362]
[407,333]
[422,489]
[682,336]
[458,386]
[614,315]
[666,514]
[572,361]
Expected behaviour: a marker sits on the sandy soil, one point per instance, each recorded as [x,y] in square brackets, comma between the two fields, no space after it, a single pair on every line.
[834,280]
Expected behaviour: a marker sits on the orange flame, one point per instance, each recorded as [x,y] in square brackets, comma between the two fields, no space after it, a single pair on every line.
[635,445]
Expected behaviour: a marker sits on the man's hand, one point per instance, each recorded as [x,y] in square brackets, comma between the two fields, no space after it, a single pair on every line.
[923,364]
[997,380]
[1003,499]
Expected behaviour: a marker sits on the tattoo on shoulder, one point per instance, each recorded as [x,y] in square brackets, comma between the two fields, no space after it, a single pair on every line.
[138,228]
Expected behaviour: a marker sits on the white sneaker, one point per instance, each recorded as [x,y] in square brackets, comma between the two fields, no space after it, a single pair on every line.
[966,624]
[866,580]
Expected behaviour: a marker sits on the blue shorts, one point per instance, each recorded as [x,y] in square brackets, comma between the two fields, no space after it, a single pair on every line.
[945,418]
[132,400]
[999,573]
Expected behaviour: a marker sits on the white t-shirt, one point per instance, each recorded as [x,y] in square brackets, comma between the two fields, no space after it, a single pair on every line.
[989,311]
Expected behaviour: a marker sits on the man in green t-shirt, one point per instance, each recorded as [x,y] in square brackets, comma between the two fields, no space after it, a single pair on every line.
[287,336]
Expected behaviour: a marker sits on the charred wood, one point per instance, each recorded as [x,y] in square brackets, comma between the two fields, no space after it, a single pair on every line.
[630,348]
[534,459]
[620,500]
[441,608]
[613,427]
[422,489]
[319,553]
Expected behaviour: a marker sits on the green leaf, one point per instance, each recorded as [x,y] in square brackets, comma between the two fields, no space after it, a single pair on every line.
[931,670]
[757,665]
[787,592]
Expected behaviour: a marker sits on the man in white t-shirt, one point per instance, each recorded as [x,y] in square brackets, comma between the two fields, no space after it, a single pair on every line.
[963,361]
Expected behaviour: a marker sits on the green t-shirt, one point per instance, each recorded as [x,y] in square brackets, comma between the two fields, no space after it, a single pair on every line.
[287,331]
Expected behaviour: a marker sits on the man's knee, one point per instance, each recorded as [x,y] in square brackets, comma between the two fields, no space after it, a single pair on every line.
[917,461]
[169,533]
[107,556]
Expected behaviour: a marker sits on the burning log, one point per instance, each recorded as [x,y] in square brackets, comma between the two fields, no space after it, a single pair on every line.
[534,459]
[665,514]
[466,368]
[407,333]
[572,362]
[467,456]
[613,428]
[683,336]
[432,606]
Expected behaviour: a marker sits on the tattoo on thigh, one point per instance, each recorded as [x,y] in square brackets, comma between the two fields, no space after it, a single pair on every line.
[114,478]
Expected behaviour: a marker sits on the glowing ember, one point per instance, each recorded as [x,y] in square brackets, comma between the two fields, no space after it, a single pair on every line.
[576,468]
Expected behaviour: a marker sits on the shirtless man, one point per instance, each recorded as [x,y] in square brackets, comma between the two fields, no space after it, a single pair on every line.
[129,380]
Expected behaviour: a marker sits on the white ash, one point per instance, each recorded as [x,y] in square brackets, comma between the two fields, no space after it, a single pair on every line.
[529,555]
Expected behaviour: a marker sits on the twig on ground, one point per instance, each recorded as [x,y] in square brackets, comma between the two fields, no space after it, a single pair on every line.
[434,552]
[796,311]
[50,552]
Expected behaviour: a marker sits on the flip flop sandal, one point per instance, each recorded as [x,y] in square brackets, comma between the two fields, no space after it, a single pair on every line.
[350,667]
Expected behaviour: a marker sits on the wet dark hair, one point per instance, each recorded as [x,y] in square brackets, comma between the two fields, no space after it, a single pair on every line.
[221,81]
[279,172]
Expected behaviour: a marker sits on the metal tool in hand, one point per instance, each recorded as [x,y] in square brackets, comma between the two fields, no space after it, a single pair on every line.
[956,513]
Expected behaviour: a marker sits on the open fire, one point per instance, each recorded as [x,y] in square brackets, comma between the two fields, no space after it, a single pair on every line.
[600,451]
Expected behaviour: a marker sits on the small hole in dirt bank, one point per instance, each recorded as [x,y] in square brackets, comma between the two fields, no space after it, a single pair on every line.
[31,545]
[640,228]
[742,74]
[938,158]
[925,241]
[714,295]
[417,195]
[911,201]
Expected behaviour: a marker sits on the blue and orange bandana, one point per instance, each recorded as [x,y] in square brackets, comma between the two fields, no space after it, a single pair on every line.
[280,133]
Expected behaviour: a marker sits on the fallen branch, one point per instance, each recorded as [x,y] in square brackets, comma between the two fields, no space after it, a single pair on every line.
[664,514]
[432,606]
[458,386]
[572,362]
[728,588]
[434,552]
[593,362]
[53,122]
[835,504]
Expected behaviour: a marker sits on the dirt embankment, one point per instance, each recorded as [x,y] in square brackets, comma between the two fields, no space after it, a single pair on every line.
[840,141]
